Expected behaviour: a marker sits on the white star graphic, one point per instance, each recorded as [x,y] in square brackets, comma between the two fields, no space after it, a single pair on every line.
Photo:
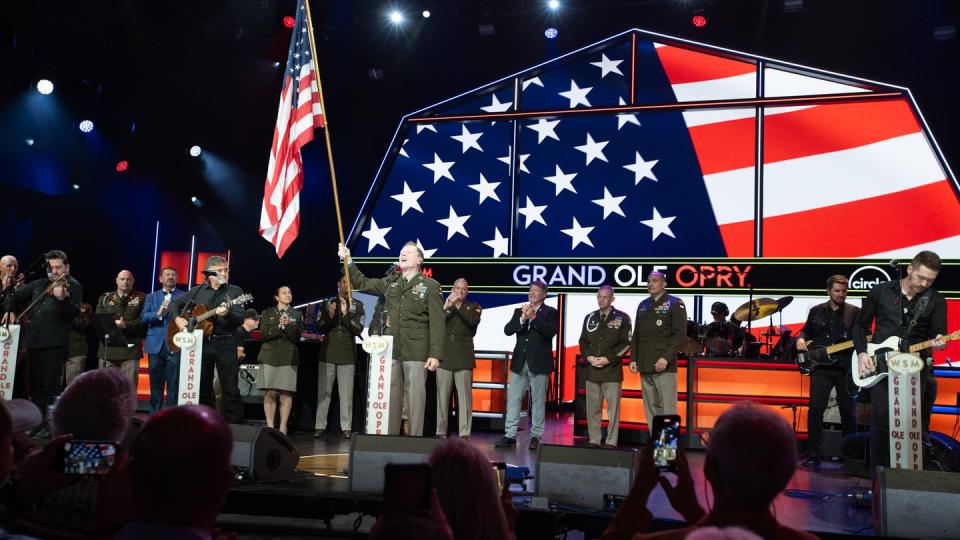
[497,107]
[577,95]
[408,199]
[532,80]
[487,190]
[454,224]
[626,118]
[421,127]
[402,151]
[468,140]
[500,245]
[642,169]
[593,149]
[523,160]
[561,181]
[607,65]
[377,236]
[659,224]
[610,204]
[545,129]
[427,253]
[441,169]
[578,235]
[532,213]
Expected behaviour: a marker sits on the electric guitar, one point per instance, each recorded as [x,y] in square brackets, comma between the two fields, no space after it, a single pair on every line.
[812,358]
[883,350]
[198,316]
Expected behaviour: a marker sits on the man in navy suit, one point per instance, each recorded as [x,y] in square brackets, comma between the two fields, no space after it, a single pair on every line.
[164,365]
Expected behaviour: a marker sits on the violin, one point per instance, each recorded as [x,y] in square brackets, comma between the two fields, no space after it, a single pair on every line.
[61,281]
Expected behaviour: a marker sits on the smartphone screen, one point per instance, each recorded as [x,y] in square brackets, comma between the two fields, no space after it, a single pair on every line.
[666,440]
[407,489]
[89,458]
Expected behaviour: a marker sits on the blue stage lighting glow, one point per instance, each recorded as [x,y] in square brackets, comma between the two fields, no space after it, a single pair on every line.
[76,187]
[396,17]
[426,14]
[551,33]
[86,126]
[28,141]
[195,151]
[553,4]
[196,202]
[44,86]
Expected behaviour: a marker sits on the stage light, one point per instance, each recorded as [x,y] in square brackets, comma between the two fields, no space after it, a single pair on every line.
[426,14]
[553,4]
[86,126]
[699,21]
[551,33]
[122,165]
[195,151]
[76,187]
[196,202]
[289,21]
[276,64]
[28,141]
[396,17]
[44,86]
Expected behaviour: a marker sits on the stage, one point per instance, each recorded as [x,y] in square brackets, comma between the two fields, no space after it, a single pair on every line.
[319,494]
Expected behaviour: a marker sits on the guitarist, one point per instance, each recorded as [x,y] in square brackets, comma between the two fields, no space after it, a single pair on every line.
[220,347]
[828,323]
[911,309]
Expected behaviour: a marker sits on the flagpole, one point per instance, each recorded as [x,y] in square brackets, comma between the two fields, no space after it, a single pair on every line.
[333,172]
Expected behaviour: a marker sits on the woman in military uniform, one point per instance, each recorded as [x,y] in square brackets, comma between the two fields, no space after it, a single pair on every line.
[280,328]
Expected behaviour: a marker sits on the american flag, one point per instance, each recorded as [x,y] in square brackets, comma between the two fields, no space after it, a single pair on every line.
[299,113]
[837,177]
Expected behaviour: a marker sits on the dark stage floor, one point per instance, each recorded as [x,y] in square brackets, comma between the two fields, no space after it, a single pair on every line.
[322,487]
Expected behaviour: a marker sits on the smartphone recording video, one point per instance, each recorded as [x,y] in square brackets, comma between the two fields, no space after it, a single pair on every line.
[666,440]
[89,458]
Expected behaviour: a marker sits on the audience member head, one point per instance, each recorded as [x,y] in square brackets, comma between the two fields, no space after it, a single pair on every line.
[411,528]
[97,405]
[16,416]
[721,533]
[467,489]
[751,455]
[181,467]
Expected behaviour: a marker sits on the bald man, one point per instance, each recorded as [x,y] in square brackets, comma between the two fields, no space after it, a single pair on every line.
[8,278]
[125,306]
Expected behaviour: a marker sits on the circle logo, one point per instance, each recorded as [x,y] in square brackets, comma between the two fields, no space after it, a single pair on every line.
[865,277]
[4,333]
[905,363]
[374,345]
[184,340]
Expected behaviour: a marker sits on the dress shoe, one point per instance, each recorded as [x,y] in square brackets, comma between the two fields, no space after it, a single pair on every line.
[534,443]
[404,427]
[465,437]
[506,442]
[347,434]
[592,445]
[319,434]
[609,445]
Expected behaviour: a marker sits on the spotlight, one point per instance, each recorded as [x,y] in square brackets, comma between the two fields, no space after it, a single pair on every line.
[122,165]
[289,21]
[196,202]
[276,64]
[195,151]
[76,187]
[396,17]
[28,141]
[553,4]
[86,126]
[551,33]
[699,21]
[426,14]
[44,86]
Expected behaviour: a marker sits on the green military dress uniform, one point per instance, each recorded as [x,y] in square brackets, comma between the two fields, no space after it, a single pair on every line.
[280,354]
[78,349]
[414,317]
[128,308]
[660,330]
[458,363]
[604,336]
[340,350]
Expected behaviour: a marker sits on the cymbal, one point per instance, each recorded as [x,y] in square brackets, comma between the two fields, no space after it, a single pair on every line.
[762,307]
[784,302]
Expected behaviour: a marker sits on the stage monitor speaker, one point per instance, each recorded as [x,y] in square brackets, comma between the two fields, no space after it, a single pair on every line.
[916,504]
[265,453]
[584,477]
[370,453]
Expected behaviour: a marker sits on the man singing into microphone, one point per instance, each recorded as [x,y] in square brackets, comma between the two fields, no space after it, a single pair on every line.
[164,365]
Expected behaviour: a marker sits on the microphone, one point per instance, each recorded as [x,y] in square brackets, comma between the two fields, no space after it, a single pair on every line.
[392,269]
[209,272]
[894,263]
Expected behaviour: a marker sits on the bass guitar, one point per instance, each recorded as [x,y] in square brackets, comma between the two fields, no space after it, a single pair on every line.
[814,357]
[883,350]
[198,319]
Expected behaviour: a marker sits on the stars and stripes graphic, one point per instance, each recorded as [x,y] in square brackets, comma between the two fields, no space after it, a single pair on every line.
[857,177]
[300,112]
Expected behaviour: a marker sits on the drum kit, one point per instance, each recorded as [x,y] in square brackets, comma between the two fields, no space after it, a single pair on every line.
[702,339]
